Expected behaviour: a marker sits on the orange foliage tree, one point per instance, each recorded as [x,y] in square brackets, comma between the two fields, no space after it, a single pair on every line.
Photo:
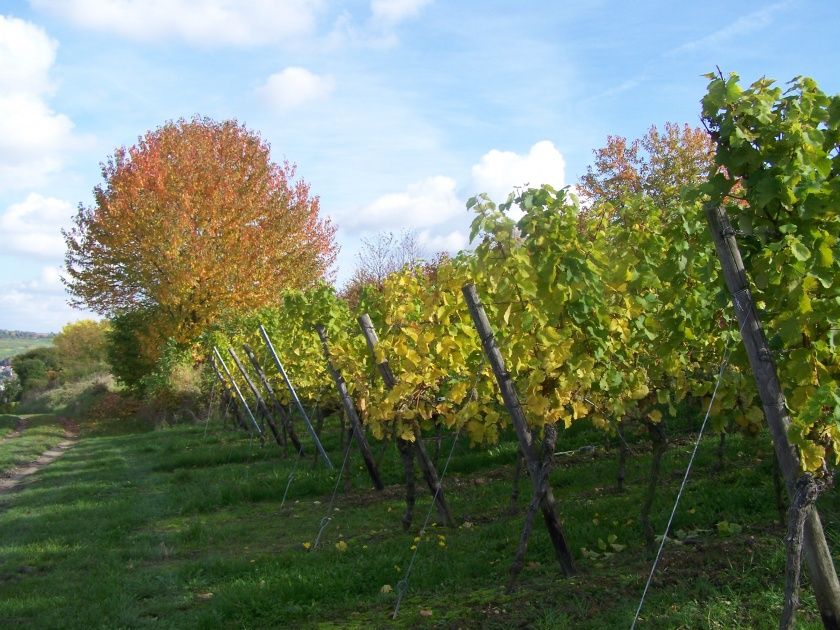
[659,164]
[193,220]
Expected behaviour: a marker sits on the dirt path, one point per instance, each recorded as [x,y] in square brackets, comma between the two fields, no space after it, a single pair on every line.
[16,476]
[19,428]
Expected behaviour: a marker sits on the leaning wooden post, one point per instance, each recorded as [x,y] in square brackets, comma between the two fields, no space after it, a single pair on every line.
[261,406]
[278,406]
[817,554]
[236,389]
[350,410]
[404,446]
[227,397]
[539,477]
[295,398]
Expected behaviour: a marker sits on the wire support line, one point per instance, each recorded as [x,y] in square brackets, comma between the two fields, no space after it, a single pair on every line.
[298,459]
[724,364]
[402,585]
[328,516]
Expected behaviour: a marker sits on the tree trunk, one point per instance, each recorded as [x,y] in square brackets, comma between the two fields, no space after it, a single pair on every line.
[406,450]
[622,456]
[721,451]
[319,424]
[657,435]
[817,554]
[517,475]
[804,498]
[549,442]
[779,493]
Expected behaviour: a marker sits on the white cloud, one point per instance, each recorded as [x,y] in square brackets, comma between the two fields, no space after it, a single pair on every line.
[32,135]
[453,242]
[429,202]
[203,22]
[393,11]
[29,129]
[499,172]
[38,305]
[26,55]
[293,87]
[32,227]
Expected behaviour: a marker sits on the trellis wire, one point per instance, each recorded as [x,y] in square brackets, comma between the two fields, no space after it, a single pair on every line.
[402,585]
[293,471]
[328,517]
[209,408]
[723,367]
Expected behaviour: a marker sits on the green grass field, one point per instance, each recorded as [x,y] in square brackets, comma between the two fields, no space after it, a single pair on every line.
[10,346]
[183,528]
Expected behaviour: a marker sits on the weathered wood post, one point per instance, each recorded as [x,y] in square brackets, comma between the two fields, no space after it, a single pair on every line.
[261,406]
[350,410]
[238,392]
[539,473]
[227,397]
[406,447]
[278,406]
[817,554]
[295,398]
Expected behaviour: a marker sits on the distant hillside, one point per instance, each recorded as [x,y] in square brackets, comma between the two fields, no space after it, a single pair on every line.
[23,334]
[14,342]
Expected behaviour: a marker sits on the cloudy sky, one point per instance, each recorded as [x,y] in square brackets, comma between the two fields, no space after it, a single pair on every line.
[395,111]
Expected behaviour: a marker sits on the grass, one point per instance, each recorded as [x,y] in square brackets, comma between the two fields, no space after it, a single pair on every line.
[182,528]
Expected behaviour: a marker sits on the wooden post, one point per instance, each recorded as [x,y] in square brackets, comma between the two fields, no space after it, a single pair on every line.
[372,339]
[350,410]
[238,392]
[817,554]
[427,466]
[295,398]
[227,397]
[539,477]
[278,406]
[261,406]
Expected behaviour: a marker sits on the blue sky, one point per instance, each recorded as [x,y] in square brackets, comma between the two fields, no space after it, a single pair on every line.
[395,111]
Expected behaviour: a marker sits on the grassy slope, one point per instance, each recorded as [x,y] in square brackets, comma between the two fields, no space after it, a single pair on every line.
[178,528]
[10,346]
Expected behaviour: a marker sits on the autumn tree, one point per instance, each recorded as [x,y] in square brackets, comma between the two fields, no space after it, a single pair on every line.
[659,165]
[82,348]
[193,220]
